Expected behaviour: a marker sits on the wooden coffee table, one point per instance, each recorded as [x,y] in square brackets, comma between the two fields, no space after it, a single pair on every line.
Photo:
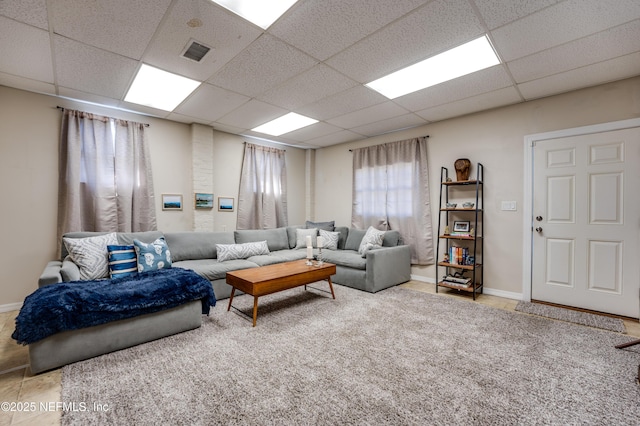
[274,278]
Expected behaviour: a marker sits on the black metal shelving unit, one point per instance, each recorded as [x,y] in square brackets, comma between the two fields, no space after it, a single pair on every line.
[461,268]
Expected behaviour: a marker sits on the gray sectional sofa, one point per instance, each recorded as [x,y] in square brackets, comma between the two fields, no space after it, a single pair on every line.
[384,267]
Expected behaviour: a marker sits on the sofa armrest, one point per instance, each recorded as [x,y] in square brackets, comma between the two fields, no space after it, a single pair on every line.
[51,274]
[69,270]
[388,266]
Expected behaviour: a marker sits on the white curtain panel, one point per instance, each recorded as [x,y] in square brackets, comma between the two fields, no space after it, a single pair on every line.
[391,191]
[262,199]
[105,181]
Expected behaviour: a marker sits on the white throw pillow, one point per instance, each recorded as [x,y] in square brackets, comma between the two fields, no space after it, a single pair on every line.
[301,237]
[91,254]
[241,251]
[373,236]
[330,239]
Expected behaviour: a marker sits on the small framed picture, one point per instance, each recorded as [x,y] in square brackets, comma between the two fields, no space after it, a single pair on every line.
[171,202]
[225,204]
[461,226]
[204,200]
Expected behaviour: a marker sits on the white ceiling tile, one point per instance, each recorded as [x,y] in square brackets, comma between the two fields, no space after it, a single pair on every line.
[390,125]
[353,99]
[224,33]
[499,12]
[143,109]
[484,81]
[88,97]
[228,129]
[120,26]
[32,12]
[23,83]
[29,48]
[313,131]
[561,23]
[91,70]
[603,72]
[618,41]
[308,87]
[326,27]
[210,103]
[335,138]
[498,98]
[368,115]
[266,63]
[174,116]
[432,29]
[252,114]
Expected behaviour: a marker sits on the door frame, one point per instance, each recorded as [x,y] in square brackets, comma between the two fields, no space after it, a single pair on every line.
[527,216]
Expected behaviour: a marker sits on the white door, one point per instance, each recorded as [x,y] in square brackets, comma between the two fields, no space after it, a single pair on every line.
[586,208]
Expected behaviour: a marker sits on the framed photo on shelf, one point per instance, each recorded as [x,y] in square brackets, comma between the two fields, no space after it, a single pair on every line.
[204,200]
[225,204]
[171,202]
[461,226]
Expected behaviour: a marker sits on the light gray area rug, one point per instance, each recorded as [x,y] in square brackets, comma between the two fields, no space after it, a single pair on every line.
[398,357]
[584,318]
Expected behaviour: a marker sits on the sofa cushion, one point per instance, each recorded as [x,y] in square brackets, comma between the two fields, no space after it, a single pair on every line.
[241,251]
[330,239]
[302,240]
[279,256]
[277,238]
[327,226]
[152,256]
[123,261]
[348,258]
[344,234]
[90,254]
[126,238]
[213,270]
[354,238]
[391,238]
[372,237]
[196,245]
[69,270]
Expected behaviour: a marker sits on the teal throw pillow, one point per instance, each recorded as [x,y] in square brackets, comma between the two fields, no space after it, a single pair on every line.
[152,256]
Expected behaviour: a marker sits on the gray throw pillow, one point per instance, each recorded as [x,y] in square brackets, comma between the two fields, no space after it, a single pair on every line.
[327,226]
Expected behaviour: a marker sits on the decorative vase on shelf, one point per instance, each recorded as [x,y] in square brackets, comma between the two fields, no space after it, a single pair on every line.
[463,169]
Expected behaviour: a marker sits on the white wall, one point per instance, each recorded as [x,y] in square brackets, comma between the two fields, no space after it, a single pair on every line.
[496,139]
[29,134]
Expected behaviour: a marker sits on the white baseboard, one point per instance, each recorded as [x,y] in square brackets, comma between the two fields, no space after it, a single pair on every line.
[10,307]
[422,279]
[486,290]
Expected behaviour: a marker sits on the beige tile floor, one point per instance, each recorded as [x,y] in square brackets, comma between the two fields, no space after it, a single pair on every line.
[18,385]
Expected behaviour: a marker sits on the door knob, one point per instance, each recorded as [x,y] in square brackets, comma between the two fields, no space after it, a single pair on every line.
[539,230]
[539,218]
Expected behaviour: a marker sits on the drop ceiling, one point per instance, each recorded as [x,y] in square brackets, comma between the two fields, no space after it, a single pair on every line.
[316,58]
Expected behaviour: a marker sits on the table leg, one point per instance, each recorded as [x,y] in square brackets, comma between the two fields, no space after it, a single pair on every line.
[233,290]
[331,287]
[255,310]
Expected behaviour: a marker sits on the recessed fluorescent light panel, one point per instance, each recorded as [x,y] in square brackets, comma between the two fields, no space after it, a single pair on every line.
[285,124]
[160,89]
[263,13]
[462,60]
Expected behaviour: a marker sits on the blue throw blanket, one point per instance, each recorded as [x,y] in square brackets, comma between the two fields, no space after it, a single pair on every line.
[79,304]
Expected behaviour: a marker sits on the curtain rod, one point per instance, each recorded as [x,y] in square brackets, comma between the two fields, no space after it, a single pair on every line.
[266,146]
[62,108]
[426,136]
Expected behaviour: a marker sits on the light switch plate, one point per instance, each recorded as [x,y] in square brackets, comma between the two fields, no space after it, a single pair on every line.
[509,206]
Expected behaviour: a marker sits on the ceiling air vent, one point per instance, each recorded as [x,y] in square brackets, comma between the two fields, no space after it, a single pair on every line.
[195,51]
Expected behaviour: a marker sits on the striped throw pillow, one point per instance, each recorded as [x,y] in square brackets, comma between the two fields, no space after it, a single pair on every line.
[122,261]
